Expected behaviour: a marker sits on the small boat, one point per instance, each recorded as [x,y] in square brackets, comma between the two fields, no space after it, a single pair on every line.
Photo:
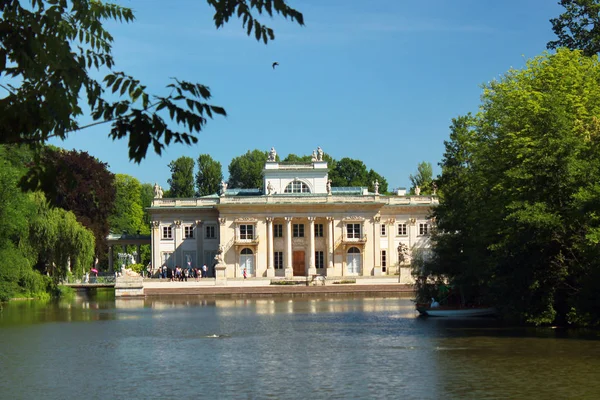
[455,312]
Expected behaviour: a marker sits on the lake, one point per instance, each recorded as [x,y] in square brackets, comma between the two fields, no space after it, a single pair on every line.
[334,347]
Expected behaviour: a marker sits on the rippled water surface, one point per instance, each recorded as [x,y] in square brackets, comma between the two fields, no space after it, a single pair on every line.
[281,348]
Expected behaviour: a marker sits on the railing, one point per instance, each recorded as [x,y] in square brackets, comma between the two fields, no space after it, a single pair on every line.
[253,241]
[361,239]
[104,279]
[184,202]
[400,200]
[390,200]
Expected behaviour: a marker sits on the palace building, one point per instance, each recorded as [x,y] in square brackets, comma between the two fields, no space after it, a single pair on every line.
[296,225]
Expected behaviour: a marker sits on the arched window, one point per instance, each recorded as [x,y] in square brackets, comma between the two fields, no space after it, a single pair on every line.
[297,187]
[247,251]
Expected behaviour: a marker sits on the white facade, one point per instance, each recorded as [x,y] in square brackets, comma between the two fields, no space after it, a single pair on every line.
[308,229]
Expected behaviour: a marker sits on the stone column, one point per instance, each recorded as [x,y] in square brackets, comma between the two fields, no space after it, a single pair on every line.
[391,251]
[377,267]
[199,236]
[312,269]
[155,246]
[330,243]
[289,269]
[412,230]
[270,254]
[177,239]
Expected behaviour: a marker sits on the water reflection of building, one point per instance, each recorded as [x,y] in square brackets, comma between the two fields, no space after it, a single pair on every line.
[297,225]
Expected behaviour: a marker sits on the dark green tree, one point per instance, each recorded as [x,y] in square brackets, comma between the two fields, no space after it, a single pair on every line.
[349,172]
[293,158]
[51,51]
[209,176]
[181,181]
[373,176]
[519,194]
[77,182]
[246,171]
[578,28]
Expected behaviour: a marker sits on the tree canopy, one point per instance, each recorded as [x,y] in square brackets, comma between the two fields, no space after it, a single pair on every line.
[209,176]
[79,183]
[51,49]
[181,181]
[128,213]
[423,178]
[35,238]
[517,220]
[351,172]
[578,27]
[245,171]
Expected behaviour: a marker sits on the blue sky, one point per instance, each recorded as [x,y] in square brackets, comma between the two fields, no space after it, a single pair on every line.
[375,80]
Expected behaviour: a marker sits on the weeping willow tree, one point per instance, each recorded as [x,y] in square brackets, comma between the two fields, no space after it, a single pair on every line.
[38,243]
[62,244]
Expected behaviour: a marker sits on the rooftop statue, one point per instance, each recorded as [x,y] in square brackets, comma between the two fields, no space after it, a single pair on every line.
[158,192]
[417,190]
[376,186]
[223,188]
[319,154]
[272,155]
[329,186]
[314,156]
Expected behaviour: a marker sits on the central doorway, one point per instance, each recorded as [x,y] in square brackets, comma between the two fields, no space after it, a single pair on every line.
[298,263]
[247,262]
[353,262]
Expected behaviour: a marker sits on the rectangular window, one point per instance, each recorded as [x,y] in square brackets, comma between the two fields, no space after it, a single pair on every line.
[383,260]
[401,229]
[423,229]
[210,232]
[298,230]
[353,231]
[246,232]
[188,232]
[167,232]
[383,230]
[318,230]
[319,259]
[278,259]
[278,230]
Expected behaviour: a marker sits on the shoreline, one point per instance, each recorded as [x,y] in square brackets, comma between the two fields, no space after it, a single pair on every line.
[281,290]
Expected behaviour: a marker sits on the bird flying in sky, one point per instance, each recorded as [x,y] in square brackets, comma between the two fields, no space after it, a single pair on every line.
[275,64]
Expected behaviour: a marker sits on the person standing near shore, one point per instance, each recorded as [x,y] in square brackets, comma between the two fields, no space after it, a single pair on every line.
[204,271]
